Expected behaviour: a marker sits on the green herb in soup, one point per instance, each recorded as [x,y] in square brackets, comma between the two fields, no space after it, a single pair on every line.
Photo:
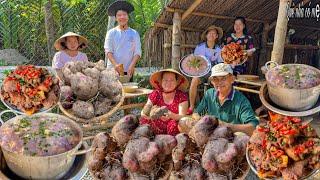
[38,136]
[294,77]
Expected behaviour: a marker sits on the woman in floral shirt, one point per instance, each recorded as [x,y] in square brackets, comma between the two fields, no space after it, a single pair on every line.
[240,35]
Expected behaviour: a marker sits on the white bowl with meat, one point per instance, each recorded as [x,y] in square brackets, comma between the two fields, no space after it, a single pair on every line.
[284,149]
[195,65]
[295,87]
[28,89]
[42,146]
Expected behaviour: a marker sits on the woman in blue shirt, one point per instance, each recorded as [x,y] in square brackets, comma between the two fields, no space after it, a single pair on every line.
[210,48]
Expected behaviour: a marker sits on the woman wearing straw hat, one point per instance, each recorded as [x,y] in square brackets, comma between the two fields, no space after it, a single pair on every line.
[169,90]
[122,44]
[69,46]
[211,50]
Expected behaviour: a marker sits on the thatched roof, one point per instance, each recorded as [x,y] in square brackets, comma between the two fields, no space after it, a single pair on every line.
[222,13]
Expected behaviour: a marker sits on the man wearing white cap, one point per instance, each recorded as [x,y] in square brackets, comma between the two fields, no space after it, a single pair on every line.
[230,106]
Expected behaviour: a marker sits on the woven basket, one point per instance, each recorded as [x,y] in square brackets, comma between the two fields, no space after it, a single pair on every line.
[241,175]
[96,121]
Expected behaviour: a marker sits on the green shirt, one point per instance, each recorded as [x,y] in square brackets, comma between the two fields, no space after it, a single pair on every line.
[236,109]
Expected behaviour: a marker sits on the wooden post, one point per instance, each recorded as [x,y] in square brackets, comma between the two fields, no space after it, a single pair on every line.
[264,41]
[280,32]
[176,38]
[50,30]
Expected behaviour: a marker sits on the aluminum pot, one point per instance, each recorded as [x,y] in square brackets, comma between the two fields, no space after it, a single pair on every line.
[292,99]
[43,167]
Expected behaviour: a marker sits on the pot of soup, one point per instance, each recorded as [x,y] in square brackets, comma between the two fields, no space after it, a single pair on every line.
[295,87]
[42,146]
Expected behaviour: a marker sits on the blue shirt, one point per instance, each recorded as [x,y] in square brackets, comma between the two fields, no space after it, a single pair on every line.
[212,54]
[123,44]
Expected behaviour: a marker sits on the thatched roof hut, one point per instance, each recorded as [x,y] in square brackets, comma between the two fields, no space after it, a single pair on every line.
[177,30]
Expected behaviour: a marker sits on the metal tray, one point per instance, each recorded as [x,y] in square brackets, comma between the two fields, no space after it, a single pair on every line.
[266,101]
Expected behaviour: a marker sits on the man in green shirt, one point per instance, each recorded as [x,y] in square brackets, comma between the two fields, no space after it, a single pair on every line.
[230,106]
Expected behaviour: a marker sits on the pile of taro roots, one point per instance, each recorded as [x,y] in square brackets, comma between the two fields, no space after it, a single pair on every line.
[89,89]
[131,151]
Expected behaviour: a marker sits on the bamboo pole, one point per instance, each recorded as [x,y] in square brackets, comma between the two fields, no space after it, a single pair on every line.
[176,38]
[280,32]
[191,9]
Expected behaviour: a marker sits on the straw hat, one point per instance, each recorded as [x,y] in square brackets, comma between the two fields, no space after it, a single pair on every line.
[119,5]
[82,41]
[155,79]
[212,27]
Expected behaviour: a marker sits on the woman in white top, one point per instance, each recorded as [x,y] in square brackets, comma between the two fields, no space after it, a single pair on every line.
[69,46]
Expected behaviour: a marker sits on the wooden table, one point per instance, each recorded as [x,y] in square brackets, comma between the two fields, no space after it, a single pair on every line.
[252,86]
[138,93]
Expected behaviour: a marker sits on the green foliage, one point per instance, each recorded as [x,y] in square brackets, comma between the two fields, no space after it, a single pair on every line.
[145,13]
[22,24]
[143,81]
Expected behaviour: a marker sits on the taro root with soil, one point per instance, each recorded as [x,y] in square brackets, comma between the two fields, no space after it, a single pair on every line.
[89,89]
[131,152]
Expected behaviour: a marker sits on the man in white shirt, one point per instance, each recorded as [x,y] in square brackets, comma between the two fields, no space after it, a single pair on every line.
[122,44]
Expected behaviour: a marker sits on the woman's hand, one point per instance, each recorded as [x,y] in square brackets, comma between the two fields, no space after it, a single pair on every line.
[171,115]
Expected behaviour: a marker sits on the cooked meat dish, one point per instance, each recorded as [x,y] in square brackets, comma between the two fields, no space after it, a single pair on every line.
[29,89]
[284,147]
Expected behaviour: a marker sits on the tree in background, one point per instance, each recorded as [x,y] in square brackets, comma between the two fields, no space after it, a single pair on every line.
[23,24]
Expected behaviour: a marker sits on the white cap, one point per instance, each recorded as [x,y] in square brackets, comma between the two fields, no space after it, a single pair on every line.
[221,70]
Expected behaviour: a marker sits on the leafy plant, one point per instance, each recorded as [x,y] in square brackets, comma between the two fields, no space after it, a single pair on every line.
[22,24]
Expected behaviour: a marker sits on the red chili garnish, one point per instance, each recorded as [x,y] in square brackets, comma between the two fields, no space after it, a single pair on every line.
[32,92]
[286,119]
[263,129]
[304,126]
[18,87]
[277,153]
[10,78]
[274,124]
[47,81]
[299,149]
[288,132]
[264,143]
[309,143]
[279,126]
[294,119]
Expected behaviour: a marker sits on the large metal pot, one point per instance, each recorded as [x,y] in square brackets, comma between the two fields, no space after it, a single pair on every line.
[43,167]
[292,99]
